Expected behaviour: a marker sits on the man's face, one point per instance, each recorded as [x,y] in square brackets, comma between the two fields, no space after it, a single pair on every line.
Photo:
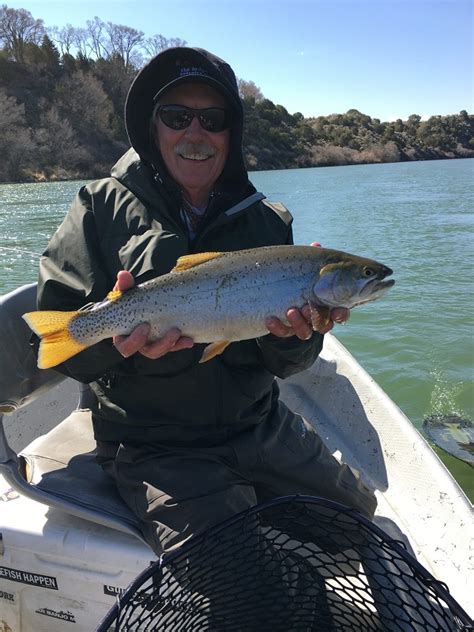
[194,157]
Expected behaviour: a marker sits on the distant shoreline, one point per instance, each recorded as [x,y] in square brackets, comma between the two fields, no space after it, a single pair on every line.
[61,176]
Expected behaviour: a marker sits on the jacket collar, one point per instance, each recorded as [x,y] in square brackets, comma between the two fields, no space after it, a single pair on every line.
[147,184]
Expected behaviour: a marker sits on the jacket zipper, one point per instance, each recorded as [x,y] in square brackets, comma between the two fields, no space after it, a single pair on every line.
[219,221]
[223,219]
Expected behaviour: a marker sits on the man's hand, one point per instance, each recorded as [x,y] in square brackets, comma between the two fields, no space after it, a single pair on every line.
[301,322]
[137,340]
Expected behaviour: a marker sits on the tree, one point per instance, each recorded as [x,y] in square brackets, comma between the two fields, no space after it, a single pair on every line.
[115,79]
[57,143]
[64,38]
[414,120]
[435,133]
[356,118]
[80,41]
[95,37]
[17,29]
[91,114]
[413,124]
[123,42]
[69,64]
[16,144]
[157,43]
[399,126]
[84,63]
[51,56]
[248,90]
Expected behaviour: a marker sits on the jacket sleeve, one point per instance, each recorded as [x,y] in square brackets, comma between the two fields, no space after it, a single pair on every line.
[286,356]
[71,274]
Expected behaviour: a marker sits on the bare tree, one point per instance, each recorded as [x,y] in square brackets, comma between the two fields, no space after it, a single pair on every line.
[248,89]
[81,41]
[57,143]
[12,113]
[124,42]
[65,38]
[96,31]
[90,114]
[16,144]
[157,43]
[17,29]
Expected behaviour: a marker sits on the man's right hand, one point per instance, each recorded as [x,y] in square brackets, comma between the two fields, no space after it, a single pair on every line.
[172,340]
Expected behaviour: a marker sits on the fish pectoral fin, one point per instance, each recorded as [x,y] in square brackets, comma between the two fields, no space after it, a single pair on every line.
[114,295]
[57,344]
[320,317]
[190,261]
[213,350]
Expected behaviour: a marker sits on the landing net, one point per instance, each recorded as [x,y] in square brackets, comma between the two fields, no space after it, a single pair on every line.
[295,564]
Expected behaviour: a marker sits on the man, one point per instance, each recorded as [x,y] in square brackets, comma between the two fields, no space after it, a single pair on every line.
[188,444]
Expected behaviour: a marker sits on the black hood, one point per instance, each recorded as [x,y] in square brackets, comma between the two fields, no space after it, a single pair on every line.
[165,70]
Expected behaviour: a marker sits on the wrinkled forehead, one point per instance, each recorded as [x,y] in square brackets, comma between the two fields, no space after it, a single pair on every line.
[198,95]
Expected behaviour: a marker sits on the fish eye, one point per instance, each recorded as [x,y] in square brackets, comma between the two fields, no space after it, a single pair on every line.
[368,272]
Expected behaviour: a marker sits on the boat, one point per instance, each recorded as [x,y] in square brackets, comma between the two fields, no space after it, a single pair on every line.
[69,547]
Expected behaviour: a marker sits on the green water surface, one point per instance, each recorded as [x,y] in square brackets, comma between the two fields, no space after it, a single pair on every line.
[417,218]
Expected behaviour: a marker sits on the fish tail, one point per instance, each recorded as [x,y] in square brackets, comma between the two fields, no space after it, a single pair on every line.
[57,343]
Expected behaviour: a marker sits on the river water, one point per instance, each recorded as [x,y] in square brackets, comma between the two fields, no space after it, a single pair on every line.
[417,218]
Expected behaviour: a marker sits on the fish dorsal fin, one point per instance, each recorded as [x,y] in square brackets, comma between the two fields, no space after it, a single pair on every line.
[114,295]
[190,261]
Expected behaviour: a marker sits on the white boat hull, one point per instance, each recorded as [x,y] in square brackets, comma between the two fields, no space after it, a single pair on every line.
[357,419]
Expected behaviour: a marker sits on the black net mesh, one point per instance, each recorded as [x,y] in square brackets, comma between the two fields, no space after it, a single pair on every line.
[294,564]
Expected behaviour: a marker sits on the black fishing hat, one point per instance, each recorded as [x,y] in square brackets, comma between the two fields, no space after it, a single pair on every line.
[168,69]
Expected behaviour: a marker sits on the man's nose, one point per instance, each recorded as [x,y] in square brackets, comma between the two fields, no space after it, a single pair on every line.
[194,127]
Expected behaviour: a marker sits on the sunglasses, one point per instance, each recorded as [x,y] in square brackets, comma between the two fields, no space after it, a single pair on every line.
[180,117]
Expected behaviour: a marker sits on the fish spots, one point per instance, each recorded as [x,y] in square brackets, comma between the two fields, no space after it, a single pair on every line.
[227,281]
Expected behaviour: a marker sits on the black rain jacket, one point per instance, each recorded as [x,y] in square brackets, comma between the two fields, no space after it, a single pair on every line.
[132,221]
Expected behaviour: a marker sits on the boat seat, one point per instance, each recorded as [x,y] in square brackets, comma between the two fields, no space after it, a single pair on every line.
[62,463]
[58,468]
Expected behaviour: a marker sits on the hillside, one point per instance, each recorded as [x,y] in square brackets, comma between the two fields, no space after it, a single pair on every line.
[61,113]
[275,139]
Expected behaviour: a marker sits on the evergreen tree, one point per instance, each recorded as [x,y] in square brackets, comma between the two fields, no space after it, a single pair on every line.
[51,56]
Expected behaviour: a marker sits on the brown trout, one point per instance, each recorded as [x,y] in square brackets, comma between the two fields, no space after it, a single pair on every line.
[217,298]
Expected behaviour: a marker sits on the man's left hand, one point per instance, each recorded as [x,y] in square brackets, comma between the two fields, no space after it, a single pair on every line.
[300,322]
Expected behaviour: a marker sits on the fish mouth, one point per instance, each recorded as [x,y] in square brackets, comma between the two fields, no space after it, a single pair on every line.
[376,287]
[384,285]
[373,290]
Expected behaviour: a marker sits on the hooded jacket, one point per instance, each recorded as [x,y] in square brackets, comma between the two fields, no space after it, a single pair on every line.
[132,221]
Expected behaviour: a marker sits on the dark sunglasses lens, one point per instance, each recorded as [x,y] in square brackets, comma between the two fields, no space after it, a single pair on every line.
[213,119]
[175,117]
[179,117]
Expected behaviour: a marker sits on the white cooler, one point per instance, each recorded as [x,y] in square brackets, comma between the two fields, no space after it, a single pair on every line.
[58,572]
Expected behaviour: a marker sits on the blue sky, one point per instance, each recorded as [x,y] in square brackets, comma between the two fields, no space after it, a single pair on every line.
[386,58]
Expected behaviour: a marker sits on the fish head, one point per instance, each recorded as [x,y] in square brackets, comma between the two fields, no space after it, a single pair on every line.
[350,281]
